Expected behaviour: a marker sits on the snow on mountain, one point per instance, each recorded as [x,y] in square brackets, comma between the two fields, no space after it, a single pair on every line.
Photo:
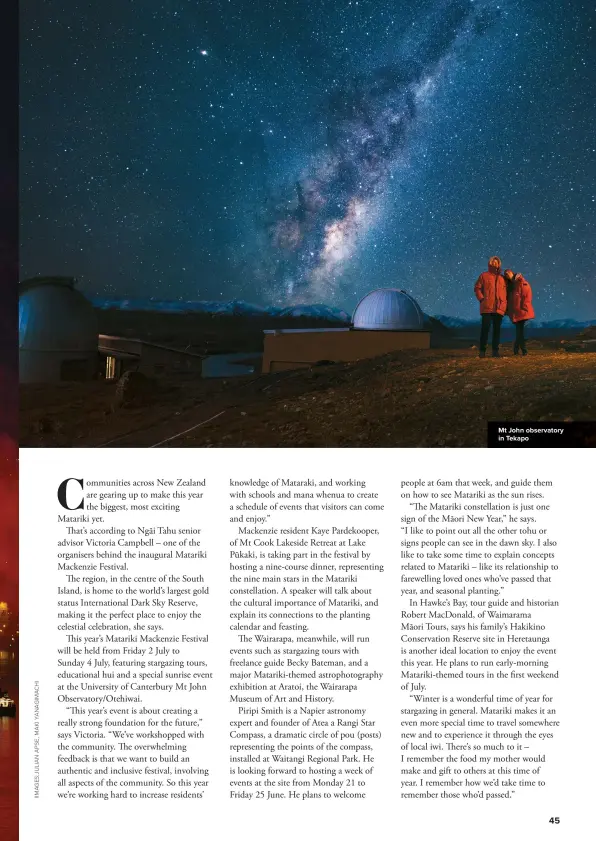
[311,311]
[454,322]
[222,308]
[564,324]
[559,324]
[319,311]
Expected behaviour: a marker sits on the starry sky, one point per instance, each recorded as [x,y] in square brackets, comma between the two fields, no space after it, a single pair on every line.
[279,151]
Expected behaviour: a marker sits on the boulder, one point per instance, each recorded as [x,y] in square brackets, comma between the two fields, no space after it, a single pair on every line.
[133,389]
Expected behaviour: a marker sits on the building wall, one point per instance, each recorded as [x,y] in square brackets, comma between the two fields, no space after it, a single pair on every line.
[150,359]
[285,350]
[46,366]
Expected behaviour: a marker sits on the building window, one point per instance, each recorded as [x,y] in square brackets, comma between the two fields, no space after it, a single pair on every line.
[110,367]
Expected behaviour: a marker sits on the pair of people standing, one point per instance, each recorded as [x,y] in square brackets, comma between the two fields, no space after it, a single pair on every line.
[499,294]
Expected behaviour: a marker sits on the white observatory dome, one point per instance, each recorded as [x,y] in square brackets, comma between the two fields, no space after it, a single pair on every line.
[58,334]
[388,309]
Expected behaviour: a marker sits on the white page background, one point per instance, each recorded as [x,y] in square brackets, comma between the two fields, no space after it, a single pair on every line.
[569,767]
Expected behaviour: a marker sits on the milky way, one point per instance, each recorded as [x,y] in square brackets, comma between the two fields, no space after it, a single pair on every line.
[368,119]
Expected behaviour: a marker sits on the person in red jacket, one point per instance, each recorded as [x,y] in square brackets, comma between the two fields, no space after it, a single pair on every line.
[491,291]
[509,274]
[520,309]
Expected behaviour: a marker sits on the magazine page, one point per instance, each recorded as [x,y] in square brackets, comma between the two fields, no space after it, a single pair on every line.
[318,644]
[286,274]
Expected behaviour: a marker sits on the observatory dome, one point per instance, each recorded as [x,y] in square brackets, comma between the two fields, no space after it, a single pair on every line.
[58,334]
[388,309]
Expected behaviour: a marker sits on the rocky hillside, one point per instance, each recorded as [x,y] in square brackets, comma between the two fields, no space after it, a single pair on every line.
[435,398]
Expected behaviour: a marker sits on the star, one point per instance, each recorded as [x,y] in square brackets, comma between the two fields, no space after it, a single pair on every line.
[313,157]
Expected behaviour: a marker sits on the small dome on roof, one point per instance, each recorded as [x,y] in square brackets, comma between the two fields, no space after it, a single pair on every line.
[388,309]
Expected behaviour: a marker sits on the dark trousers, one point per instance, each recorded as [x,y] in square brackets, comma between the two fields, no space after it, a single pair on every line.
[495,319]
[520,337]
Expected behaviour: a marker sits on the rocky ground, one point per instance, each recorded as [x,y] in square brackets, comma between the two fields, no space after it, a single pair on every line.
[434,398]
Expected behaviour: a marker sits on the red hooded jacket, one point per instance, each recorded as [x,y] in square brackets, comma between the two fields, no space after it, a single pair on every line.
[520,300]
[491,291]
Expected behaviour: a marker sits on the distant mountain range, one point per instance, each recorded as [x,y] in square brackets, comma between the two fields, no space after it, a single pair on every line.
[558,324]
[319,311]
[224,308]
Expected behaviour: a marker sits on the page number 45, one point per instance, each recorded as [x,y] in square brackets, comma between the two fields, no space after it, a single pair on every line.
[554,820]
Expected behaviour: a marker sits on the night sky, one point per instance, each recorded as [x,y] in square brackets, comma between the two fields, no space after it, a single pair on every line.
[311,151]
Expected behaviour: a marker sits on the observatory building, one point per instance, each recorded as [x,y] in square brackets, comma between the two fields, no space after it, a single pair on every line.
[385,320]
[57,332]
[388,309]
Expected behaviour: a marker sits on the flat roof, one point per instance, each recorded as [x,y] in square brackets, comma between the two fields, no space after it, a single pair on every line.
[313,330]
[117,354]
[340,330]
[103,336]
